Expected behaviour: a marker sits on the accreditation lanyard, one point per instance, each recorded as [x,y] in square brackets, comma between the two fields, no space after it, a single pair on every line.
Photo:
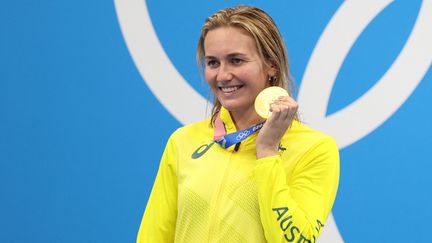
[227,140]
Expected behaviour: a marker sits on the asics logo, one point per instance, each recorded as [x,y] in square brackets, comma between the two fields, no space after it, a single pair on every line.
[201,150]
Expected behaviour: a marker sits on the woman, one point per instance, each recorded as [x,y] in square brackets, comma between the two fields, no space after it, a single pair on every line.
[278,184]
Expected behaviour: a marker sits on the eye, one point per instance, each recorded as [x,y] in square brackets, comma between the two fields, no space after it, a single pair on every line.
[236,61]
[212,63]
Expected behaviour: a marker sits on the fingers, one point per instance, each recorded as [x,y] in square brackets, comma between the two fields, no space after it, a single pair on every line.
[283,112]
[285,108]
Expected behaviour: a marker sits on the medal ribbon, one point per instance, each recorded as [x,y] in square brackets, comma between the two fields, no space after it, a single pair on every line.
[227,140]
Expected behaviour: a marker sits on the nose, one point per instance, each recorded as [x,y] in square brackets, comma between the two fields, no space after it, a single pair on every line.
[224,73]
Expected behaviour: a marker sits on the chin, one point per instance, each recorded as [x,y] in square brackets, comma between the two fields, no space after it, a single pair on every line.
[229,107]
[233,107]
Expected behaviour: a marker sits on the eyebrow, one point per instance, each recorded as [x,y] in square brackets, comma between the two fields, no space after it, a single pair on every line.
[235,54]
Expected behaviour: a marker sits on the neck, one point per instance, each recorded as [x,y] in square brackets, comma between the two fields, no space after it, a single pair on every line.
[245,119]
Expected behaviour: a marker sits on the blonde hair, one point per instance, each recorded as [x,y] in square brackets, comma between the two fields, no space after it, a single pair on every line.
[263,30]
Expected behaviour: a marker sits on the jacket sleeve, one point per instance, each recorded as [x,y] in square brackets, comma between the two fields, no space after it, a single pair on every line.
[294,209]
[159,220]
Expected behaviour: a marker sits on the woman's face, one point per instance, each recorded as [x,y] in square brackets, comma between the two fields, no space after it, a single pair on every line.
[234,69]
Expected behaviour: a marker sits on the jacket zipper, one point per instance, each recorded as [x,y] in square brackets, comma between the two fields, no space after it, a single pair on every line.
[213,222]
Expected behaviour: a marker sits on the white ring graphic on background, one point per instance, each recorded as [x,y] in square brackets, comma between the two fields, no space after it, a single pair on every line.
[372,109]
[162,78]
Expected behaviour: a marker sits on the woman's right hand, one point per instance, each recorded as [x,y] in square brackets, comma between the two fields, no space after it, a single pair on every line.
[283,111]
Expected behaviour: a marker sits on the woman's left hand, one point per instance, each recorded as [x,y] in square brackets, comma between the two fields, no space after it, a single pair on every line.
[283,111]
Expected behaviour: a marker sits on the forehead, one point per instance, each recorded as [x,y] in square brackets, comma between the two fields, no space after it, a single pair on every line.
[226,40]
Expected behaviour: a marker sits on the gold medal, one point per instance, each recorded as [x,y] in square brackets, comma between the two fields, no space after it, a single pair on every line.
[265,98]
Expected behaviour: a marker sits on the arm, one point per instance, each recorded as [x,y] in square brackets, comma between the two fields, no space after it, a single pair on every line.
[294,209]
[159,220]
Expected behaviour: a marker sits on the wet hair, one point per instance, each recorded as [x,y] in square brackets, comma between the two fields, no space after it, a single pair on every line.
[269,42]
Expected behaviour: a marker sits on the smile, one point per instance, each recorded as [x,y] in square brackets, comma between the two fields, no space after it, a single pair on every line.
[230,89]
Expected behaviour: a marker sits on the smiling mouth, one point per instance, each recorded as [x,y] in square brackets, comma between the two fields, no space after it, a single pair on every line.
[230,89]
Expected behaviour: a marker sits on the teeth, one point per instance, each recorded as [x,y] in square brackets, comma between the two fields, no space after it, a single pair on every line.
[230,89]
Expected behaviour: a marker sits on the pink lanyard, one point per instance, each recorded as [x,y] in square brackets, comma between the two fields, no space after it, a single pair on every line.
[219,128]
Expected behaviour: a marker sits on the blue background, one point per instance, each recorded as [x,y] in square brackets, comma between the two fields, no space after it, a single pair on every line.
[81,135]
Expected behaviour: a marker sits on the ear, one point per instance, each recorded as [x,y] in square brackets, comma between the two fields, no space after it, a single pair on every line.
[272,71]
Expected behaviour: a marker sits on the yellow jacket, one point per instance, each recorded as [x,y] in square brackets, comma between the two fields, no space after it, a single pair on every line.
[205,193]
